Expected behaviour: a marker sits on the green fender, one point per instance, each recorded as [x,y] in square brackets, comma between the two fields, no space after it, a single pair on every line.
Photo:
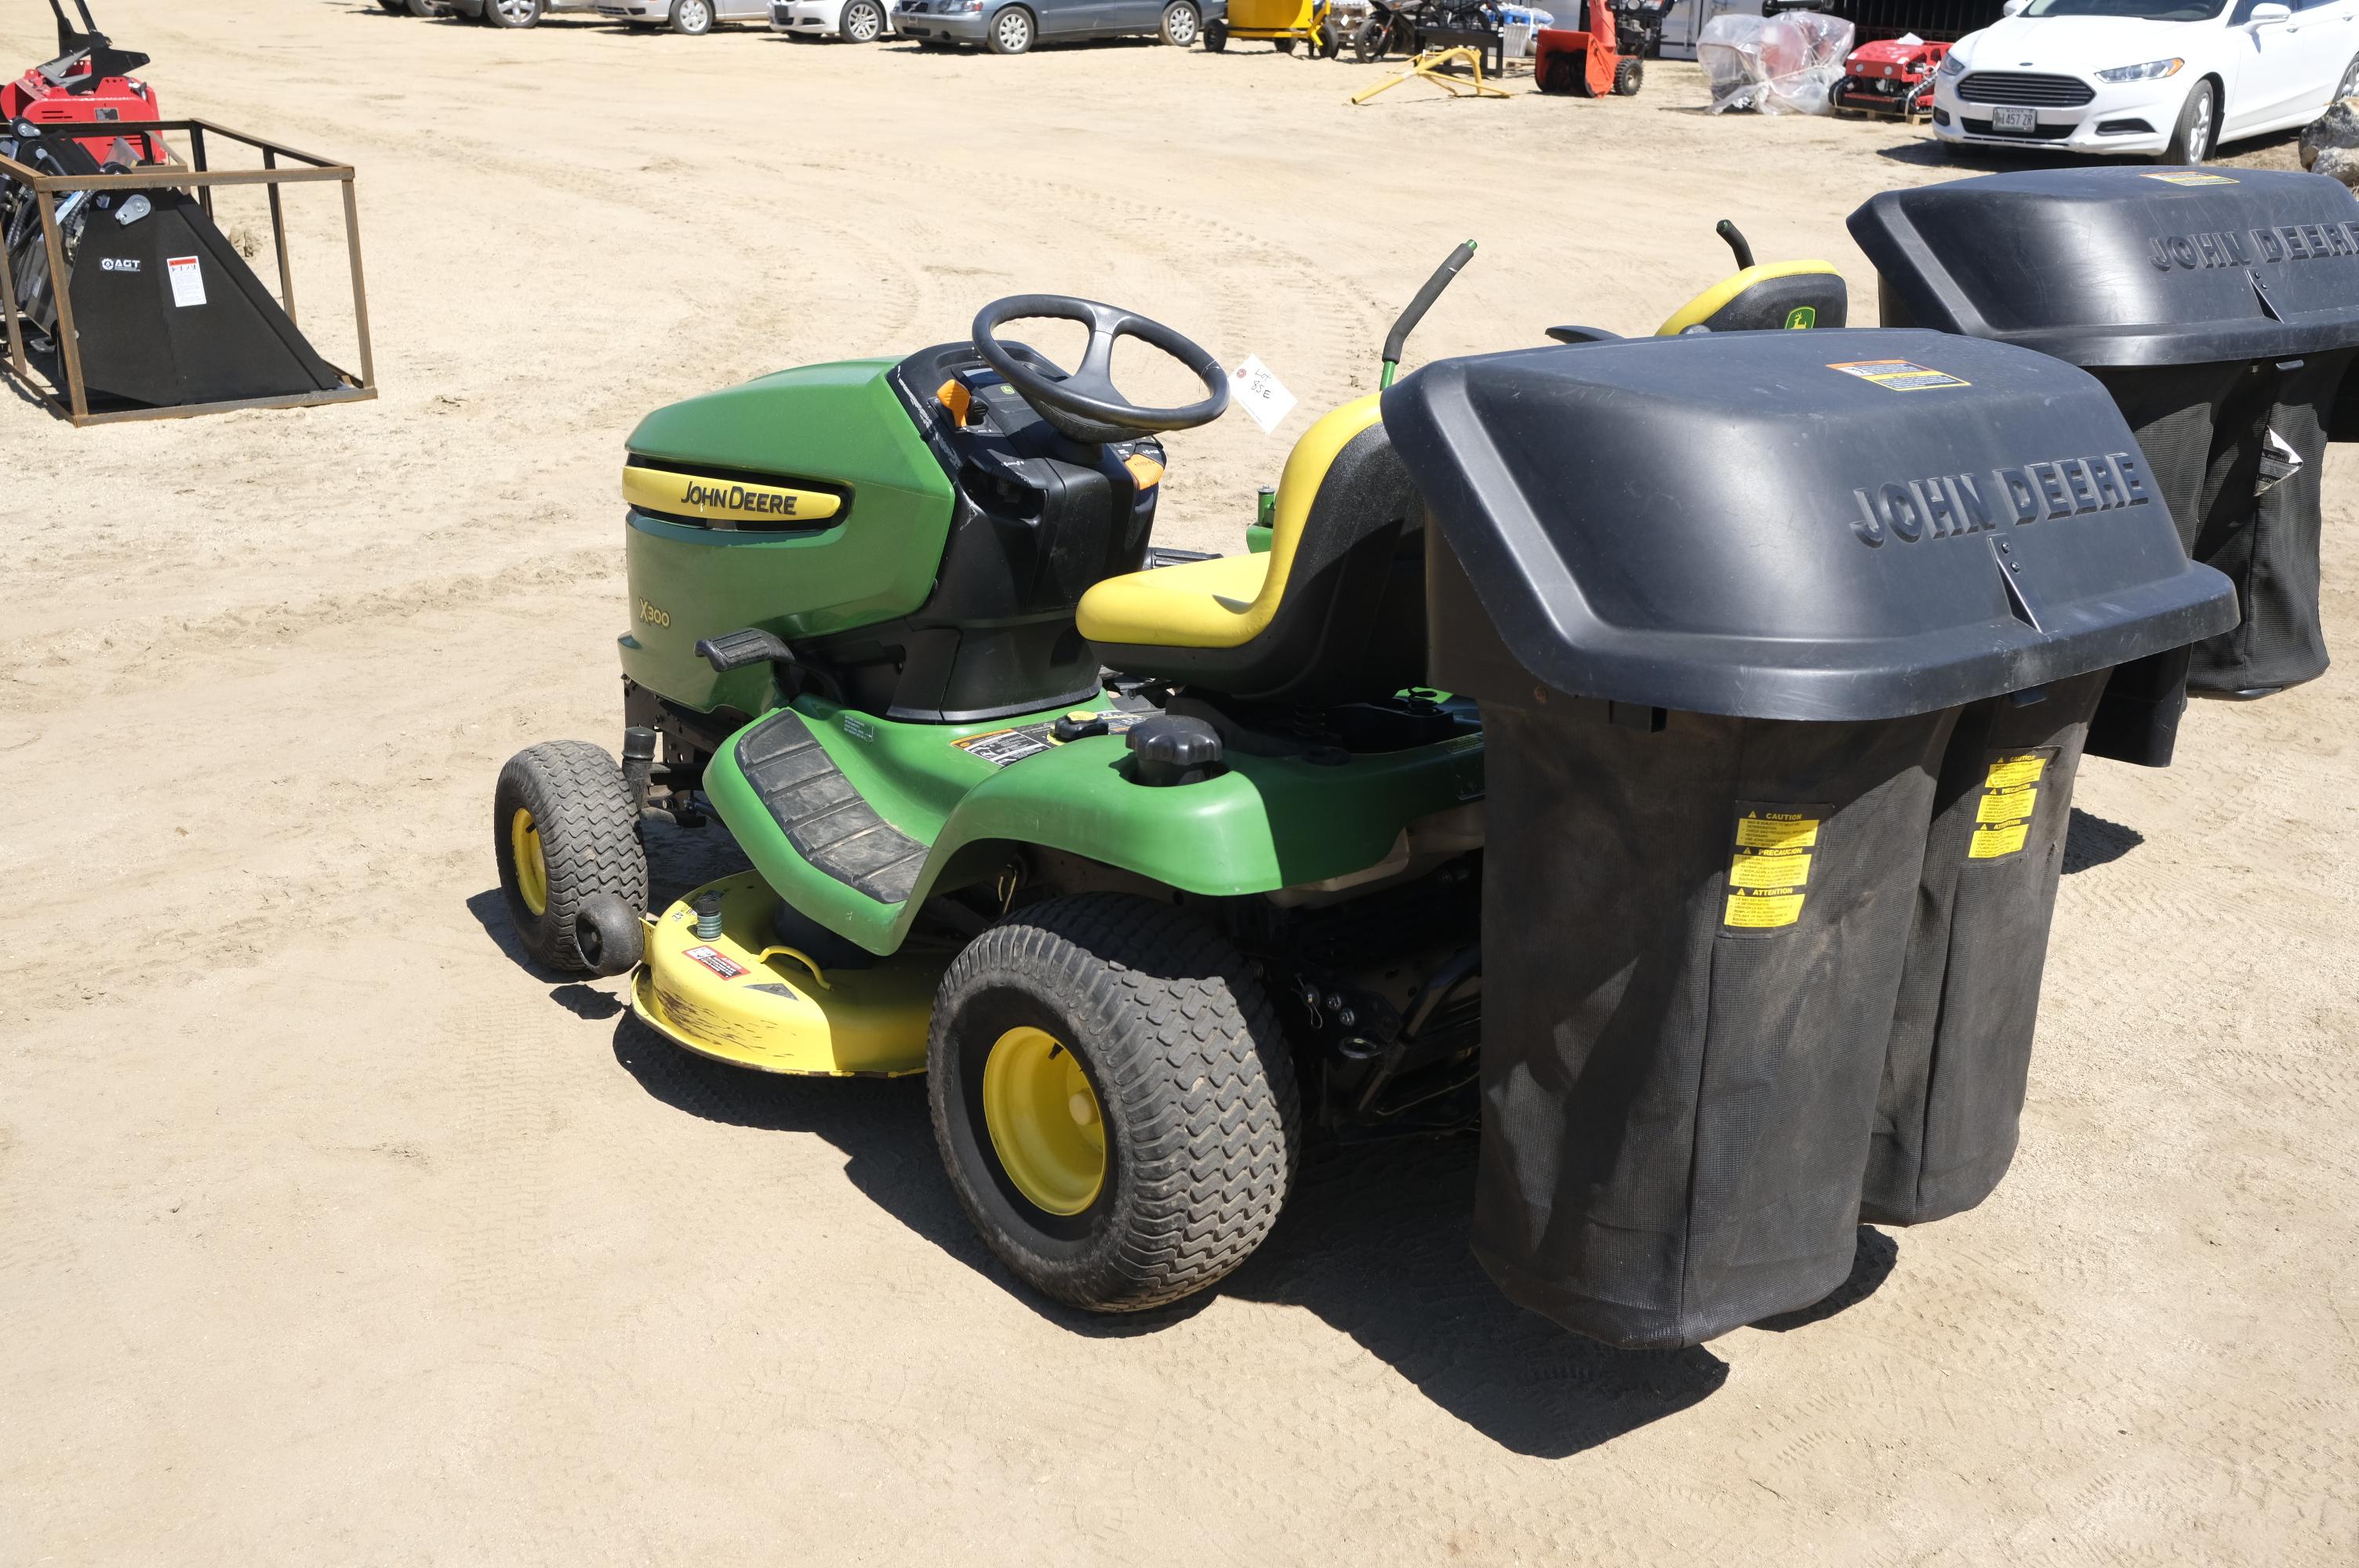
[1268,823]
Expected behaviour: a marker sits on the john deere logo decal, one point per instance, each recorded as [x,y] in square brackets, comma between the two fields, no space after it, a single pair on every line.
[726,502]
[1802,315]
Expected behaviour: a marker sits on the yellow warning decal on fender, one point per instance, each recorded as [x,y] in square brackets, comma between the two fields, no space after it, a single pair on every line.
[2010,795]
[2194,178]
[725,500]
[1898,375]
[1770,865]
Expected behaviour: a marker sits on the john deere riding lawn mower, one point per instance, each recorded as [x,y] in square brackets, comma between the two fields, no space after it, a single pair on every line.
[1671,738]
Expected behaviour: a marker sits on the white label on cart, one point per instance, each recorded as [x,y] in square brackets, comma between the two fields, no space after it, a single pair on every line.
[188,283]
[1260,394]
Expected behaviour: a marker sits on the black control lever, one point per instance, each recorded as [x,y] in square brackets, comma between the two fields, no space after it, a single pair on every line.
[736,650]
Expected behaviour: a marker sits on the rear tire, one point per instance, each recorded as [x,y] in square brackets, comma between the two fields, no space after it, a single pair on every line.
[512,12]
[1182,22]
[1330,40]
[1179,1074]
[1369,42]
[1283,46]
[1012,31]
[863,22]
[1628,77]
[1216,37]
[578,837]
[2350,86]
[692,18]
[2197,133]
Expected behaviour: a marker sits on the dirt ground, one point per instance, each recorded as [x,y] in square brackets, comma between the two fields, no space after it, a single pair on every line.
[332,1234]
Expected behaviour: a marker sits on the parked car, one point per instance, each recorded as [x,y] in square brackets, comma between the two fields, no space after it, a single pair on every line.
[694,17]
[854,21]
[1012,27]
[2171,79]
[508,13]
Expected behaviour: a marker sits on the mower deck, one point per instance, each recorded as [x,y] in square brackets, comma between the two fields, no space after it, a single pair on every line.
[743,996]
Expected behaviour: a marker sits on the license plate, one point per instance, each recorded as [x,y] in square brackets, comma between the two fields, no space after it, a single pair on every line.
[2015,119]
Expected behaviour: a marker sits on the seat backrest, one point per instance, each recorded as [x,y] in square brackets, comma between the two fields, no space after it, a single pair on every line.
[1766,298]
[1346,571]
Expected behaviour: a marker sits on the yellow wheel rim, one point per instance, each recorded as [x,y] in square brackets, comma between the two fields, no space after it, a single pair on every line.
[531,869]
[1044,1121]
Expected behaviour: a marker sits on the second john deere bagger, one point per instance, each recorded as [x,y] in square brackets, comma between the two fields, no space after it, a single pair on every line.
[1605,722]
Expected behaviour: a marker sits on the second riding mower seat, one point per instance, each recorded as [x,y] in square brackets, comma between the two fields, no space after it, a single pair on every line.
[1766,298]
[1333,613]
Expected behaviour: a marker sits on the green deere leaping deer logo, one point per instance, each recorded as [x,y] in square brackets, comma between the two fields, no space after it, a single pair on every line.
[1802,315]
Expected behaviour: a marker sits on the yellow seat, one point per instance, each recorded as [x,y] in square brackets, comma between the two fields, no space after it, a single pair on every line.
[1774,294]
[1336,605]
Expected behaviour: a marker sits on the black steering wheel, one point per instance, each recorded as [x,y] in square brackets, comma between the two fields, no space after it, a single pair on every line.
[1085,405]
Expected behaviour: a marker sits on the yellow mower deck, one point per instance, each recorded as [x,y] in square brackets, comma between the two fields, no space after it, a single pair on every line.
[743,997]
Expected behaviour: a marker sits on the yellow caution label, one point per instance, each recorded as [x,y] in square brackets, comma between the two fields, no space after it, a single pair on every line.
[2010,796]
[1770,865]
[725,500]
[1779,832]
[2016,768]
[2006,804]
[1768,871]
[1762,912]
[1991,843]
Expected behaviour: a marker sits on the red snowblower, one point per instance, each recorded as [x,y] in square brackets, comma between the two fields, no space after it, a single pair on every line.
[1608,56]
[90,82]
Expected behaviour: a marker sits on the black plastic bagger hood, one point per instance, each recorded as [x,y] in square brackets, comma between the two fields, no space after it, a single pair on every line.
[1790,525]
[2124,267]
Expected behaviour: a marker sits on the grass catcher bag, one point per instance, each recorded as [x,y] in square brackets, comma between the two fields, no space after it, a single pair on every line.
[1727,601]
[2221,308]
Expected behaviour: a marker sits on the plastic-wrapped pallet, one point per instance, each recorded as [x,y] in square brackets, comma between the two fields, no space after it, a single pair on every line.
[1787,64]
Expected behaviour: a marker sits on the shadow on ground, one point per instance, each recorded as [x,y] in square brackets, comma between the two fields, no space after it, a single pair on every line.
[2275,151]
[2092,841]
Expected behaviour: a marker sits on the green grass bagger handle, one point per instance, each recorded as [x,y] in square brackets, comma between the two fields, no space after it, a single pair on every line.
[1086,404]
[1398,338]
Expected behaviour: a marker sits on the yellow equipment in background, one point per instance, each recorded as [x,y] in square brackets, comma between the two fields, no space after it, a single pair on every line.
[1282,23]
[1434,65]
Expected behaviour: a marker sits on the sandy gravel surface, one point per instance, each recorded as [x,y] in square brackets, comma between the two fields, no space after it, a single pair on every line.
[331,1234]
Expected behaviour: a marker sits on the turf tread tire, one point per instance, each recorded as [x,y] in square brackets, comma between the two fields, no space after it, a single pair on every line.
[1196,1086]
[589,838]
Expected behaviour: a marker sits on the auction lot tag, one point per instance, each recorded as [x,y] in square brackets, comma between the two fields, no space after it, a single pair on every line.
[188,282]
[1260,394]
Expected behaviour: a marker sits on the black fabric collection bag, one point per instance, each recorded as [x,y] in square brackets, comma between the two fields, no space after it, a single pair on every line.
[1960,1053]
[1690,969]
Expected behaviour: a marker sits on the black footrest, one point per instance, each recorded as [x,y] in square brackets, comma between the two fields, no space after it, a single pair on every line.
[736,650]
[822,813]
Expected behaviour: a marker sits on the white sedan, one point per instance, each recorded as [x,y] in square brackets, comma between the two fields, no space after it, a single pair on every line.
[2171,78]
[854,21]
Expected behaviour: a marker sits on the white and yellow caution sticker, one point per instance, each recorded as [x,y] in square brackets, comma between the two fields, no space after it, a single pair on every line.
[2010,795]
[1769,866]
[726,500]
[2185,178]
[1898,375]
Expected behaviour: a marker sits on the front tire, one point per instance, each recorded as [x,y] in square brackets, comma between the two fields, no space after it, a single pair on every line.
[1113,1099]
[1181,22]
[512,12]
[1012,31]
[1369,42]
[1628,77]
[692,19]
[864,21]
[563,830]
[2197,133]
[1216,37]
[2349,87]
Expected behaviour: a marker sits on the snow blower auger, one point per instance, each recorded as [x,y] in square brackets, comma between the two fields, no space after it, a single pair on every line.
[1159,871]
